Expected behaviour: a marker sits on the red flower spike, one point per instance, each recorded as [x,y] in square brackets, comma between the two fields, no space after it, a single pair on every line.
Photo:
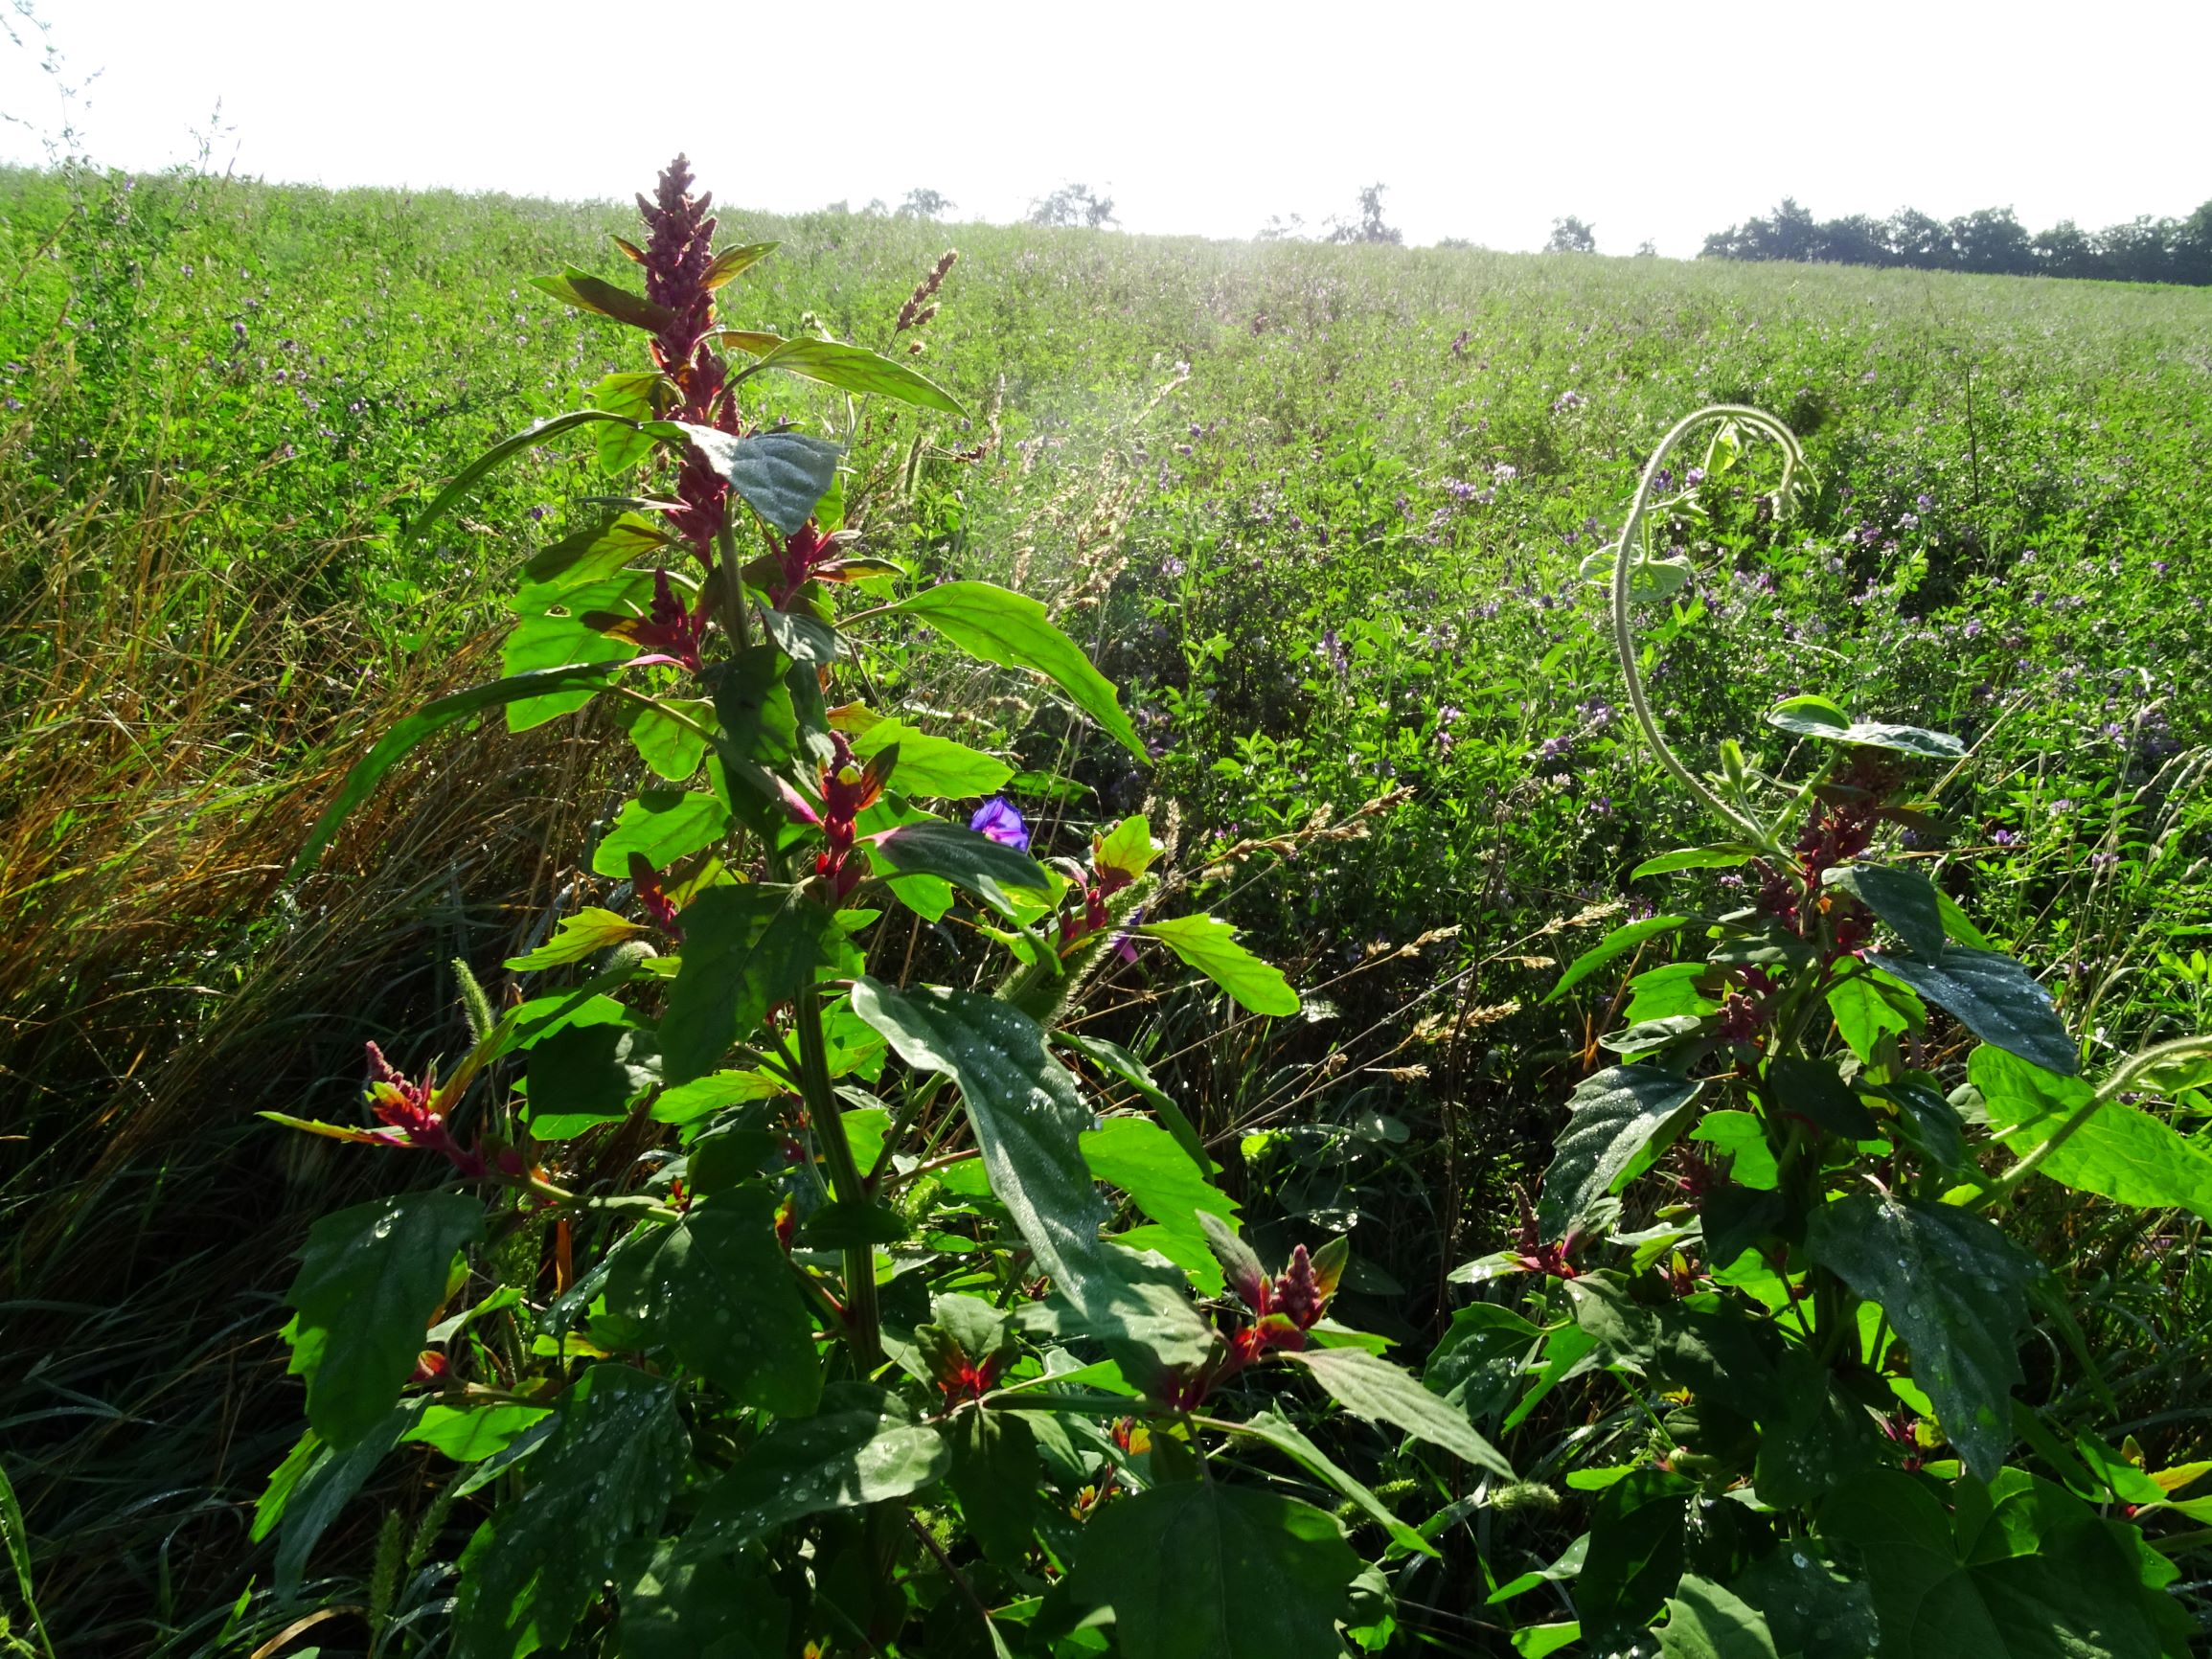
[412,1116]
[430,1367]
[645,880]
[848,790]
[1298,1293]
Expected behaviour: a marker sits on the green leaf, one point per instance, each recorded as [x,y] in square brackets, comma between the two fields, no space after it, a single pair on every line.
[753,700]
[1811,1611]
[606,1474]
[1369,1386]
[588,293]
[674,1609]
[1009,881]
[471,1436]
[2017,1571]
[1128,848]
[505,450]
[1955,1288]
[1706,1622]
[1865,1011]
[780,474]
[1618,943]
[2122,1152]
[1013,631]
[1201,1570]
[1144,1161]
[1285,1437]
[730,261]
[1904,899]
[431,718]
[856,369]
[715,1288]
[1117,1063]
[662,825]
[1209,945]
[1993,997]
[588,556]
[1818,717]
[934,766]
[667,733]
[862,1447]
[1722,857]
[587,1074]
[994,1474]
[747,949]
[586,933]
[1742,1137]
[1927,1123]
[1028,1118]
[1815,1091]
[556,640]
[1617,1115]
[1636,1553]
[327,1480]
[370,1278]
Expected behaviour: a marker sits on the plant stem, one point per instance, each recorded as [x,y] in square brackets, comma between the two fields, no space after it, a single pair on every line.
[862,1319]
[730,602]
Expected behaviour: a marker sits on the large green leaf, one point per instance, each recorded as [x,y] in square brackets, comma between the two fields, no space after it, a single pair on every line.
[431,718]
[558,639]
[733,260]
[856,369]
[583,1075]
[661,825]
[1009,881]
[1904,899]
[1865,1009]
[715,1288]
[994,1474]
[1286,1437]
[606,1474]
[669,734]
[1618,943]
[588,556]
[932,765]
[1209,945]
[746,947]
[1145,1161]
[863,1447]
[2122,1151]
[2019,1570]
[1812,1611]
[1013,631]
[1203,1570]
[1617,1115]
[1815,1091]
[1369,1386]
[1706,1622]
[370,1278]
[1956,1289]
[674,1609]
[324,1481]
[780,474]
[1028,1118]
[589,293]
[1992,996]
[1117,1061]
[1818,717]
[1635,1552]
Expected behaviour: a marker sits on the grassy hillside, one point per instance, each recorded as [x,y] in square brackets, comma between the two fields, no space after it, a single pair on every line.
[1321,512]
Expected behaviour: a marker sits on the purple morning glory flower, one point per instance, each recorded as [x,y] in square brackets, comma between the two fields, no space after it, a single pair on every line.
[1000,819]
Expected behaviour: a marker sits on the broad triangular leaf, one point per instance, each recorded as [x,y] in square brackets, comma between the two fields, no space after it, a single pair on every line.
[1955,1288]
[716,1287]
[1203,1570]
[1992,996]
[780,474]
[932,765]
[1706,1622]
[1618,1114]
[1904,899]
[1369,1386]
[2121,1151]
[746,947]
[1013,631]
[1209,945]
[661,825]
[862,1447]
[370,1278]
[1818,717]
[1009,881]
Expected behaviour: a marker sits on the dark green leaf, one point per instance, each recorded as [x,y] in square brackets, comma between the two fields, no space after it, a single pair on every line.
[370,1278]
[1904,899]
[1706,1622]
[1618,943]
[1209,945]
[1927,1123]
[674,1609]
[1636,1552]
[780,474]
[606,1474]
[1371,1387]
[839,1226]
[588,293]
[1009,881]
[433,718]
[862,1447]
[2121,1152]
[587,1074]
[1013,631]
[506,450]
[994,1474]
[1815,1091]
[1812,1612]
[856,369]
[715,1288]
[1028,1118]
[753,699]
[1993,997]
[327,1480]
[662,825]
[1617,1115]
[1955,1288]
[1201,1570]
[746,947]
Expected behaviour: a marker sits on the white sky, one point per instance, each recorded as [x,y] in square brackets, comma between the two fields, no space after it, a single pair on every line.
[1487,120]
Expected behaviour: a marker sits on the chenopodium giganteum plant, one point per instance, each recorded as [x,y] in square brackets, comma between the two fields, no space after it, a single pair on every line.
[855,1364]
[1777,1228]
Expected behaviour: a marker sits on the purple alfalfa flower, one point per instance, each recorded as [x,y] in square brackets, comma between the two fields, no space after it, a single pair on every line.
[1000,819]
[2004,838]
[1332,649]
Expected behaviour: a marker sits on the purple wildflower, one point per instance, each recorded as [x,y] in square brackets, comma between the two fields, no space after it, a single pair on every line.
[1000,819]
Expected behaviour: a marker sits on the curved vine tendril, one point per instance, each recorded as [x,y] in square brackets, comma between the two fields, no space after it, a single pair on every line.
[1632,550]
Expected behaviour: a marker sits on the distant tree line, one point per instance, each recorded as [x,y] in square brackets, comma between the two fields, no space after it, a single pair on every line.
[1991,240]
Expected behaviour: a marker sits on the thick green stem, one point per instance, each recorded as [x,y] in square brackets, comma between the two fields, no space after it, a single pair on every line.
[862,1318]
[730,597]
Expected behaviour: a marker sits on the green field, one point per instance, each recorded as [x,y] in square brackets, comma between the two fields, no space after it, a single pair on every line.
[1321,512]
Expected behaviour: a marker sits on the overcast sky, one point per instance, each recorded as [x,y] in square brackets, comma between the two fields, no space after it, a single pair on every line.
[1486,121]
